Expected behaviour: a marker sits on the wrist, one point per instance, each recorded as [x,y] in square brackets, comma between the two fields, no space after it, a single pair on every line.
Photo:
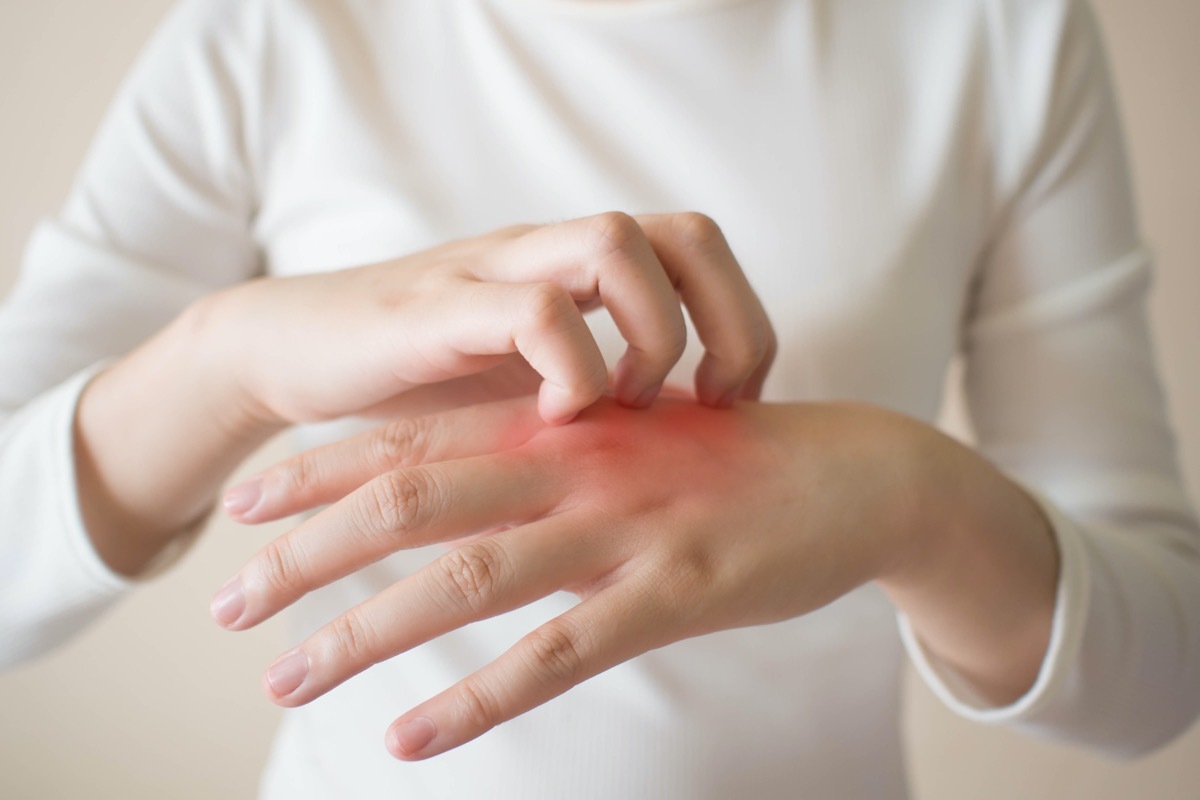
[978,571]
[156,433]
[923,512]
[208,335]
[904,493]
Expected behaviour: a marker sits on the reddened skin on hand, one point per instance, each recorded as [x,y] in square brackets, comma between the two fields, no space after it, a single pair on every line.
[667,522]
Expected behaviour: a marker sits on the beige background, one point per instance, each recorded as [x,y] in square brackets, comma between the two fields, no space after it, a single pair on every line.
[156,702]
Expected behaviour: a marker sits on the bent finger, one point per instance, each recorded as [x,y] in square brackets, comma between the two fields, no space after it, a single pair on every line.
[733,326]
[541,322]
[605,257]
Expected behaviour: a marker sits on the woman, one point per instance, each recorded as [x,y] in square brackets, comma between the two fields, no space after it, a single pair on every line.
[898,182]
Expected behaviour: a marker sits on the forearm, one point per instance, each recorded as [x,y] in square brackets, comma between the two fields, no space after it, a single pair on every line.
[978,576]
[155,436]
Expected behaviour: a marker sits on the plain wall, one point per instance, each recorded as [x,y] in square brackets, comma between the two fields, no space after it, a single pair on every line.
[156,701]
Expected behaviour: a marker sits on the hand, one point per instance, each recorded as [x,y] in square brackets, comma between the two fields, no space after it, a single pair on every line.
[467,322]
[317,347]
[666,523]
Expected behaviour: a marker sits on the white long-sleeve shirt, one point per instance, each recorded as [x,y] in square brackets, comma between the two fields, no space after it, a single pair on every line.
[902,181]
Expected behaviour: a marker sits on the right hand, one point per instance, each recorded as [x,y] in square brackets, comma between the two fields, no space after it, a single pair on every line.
[495,307]
[463,323]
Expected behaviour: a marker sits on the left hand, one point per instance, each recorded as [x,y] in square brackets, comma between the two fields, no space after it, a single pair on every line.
[667,523]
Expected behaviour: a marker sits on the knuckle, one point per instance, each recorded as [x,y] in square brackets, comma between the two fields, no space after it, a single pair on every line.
[667,347]
[471,574]
[752,349]
[396,502]
[745,352]
[596,380]
[403,443]
[548,306]
[676,343]
[280,567]
[762,341]
[768,345]
[298,475]
[613,232]
[477,706]
[555,653]
[352,637]
[695,230]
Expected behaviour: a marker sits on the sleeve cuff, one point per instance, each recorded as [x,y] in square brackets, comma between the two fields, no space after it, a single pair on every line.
[53,583]
[1066,634]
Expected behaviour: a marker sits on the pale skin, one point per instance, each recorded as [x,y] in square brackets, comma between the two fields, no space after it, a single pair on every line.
[823,497]
[472,320]
[667,523]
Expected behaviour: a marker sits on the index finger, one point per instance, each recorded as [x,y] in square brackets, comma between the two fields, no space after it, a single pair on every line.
[328,473]
[605,257]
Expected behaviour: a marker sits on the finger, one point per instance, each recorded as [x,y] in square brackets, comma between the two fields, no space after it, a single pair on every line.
[605,257]
[477,580]
[730,320]
[509,379]
[538,320]
[398,510]
[601,632]
[326,474]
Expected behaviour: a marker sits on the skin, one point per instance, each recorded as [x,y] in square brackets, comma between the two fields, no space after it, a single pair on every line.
[959,548]
[754,515]
[492,316]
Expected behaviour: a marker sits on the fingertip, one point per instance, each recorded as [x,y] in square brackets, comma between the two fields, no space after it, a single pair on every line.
[557,406]
[228,605]
[560,419]
[407,740]
[285,676]
[716,397]
[630,386]
[283,701]
[391,745]
[241,500]
[716,386]
[642,399]
[727,400]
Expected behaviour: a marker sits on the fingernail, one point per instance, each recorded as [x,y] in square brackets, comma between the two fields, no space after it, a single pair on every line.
[552,399]
[229,603]
[647,397]
[629,400]
[243,497]
[411,737]
[286,674]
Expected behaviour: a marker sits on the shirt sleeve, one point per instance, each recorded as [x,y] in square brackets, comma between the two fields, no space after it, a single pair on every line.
[160,215]
[1061,386]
